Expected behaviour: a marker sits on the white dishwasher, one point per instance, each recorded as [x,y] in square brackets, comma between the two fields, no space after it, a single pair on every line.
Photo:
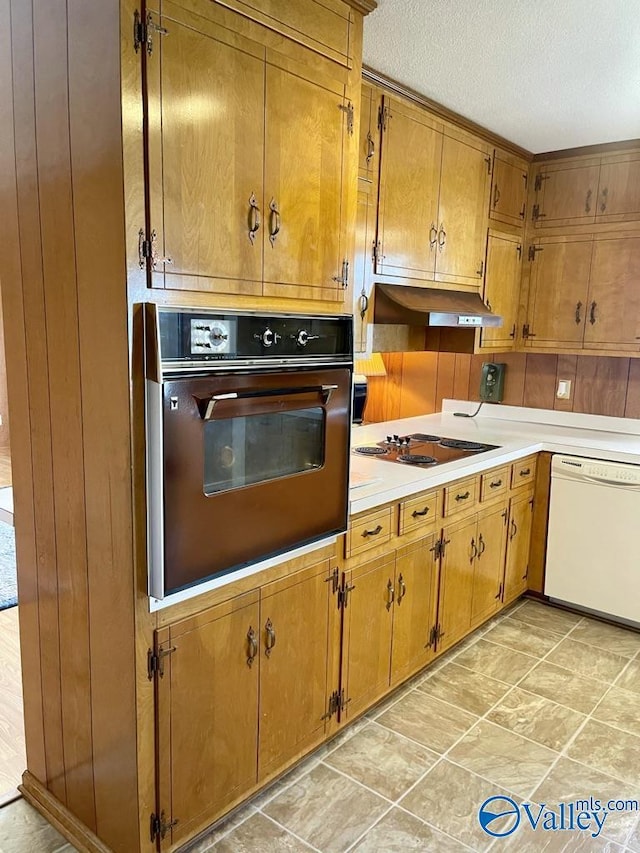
[593,546]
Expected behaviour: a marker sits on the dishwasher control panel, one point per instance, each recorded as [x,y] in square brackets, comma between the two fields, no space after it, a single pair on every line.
[594,469]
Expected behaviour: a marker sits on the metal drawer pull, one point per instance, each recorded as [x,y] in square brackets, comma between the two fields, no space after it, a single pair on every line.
[442,234]
[463,497]
[370,147]
[605,193]
[252,638]
[390,594]
[496,195]
[270,639]
[402,589]
[482,547]
[418,512]
[578,317]
[495,484]
[514,529]
[254,218]
[592,313]
[587,201]
[525,472]
[433,236]
[373,532]
[274,221]
[474,551]
[325,392]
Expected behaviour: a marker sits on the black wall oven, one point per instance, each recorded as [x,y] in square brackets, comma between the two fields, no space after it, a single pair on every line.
[248,428]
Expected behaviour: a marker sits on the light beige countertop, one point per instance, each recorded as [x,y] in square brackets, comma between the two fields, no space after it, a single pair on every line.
[518,432]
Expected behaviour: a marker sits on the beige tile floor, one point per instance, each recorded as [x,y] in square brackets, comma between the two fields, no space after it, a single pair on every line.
[541,705]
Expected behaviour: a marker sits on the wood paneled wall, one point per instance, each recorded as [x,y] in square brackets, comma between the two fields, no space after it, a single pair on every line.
[417,382]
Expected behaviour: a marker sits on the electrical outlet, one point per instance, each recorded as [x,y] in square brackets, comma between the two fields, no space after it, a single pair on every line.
[492,382]
[564,389]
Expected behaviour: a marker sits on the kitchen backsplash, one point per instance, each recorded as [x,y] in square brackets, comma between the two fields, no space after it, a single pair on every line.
[417,382]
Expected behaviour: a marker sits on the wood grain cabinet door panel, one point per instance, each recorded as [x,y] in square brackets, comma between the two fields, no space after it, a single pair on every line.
[508,190]
[613,314]
[409,190]
[456,581]
[206,151]
[502,289]
[558,291]
[489,564]
[208,713]
[294,636]
[368,620]
[305,156]
[414,612]
[619,190]
[518,544]
[565,193]
[462,212]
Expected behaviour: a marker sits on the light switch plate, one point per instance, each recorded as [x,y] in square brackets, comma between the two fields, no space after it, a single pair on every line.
[564,389]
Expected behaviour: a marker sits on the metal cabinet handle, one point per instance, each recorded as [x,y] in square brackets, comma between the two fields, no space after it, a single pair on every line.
[373,532]
[371,147]
[254,218]
[524,472]
[252,639]
[603,205]
[402,589]
[578,317]
[274,221]
[523,211]
[420,512]
[512,333]
[474,551]
[390,594]
[463,497]
[442,236]
[496,196]
[587,202]
[495,484]
[270,638]
[514,529]
[592,313]
[482,546]
[433,235]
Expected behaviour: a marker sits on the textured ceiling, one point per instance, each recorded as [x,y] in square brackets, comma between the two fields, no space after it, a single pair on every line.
[546,74]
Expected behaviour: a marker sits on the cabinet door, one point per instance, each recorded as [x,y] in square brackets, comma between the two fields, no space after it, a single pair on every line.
[518,542]
[414,612]
[619,191]
[294,635]
[558,291]
[613,315]
[368,619]
[206,147]
[488,569]
[565,193]
[409,187]
[502,289]
[508,201]
[369,144]
[456,582]
[363,261]
[306,128]
[207,713]
[462,212]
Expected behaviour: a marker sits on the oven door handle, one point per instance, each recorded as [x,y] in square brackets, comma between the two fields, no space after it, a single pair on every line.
[325,392]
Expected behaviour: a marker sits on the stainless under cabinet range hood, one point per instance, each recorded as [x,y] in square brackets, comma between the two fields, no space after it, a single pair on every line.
[399,304]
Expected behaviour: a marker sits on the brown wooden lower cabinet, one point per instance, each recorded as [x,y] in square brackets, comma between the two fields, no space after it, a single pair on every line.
[488,572]
[456,581]
[519,539]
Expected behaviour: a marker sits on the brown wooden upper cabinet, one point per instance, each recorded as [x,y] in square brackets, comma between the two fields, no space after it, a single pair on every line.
[508,199]
[565,193]
[619,189]
[434,186]
[502,289]
[584,293]
[249,152]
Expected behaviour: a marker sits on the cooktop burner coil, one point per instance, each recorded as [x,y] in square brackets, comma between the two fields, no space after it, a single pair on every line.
[371,451]
[422,436]
[416,459]
[459,444]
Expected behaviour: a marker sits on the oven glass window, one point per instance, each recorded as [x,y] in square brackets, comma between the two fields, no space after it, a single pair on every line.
[251,449]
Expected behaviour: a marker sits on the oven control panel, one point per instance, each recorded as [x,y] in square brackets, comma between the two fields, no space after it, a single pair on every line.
[211,336]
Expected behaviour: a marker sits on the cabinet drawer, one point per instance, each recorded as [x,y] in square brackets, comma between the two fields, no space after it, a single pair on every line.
[494,483]
[369,531]
[418,513]
[523,472]
[460,496]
